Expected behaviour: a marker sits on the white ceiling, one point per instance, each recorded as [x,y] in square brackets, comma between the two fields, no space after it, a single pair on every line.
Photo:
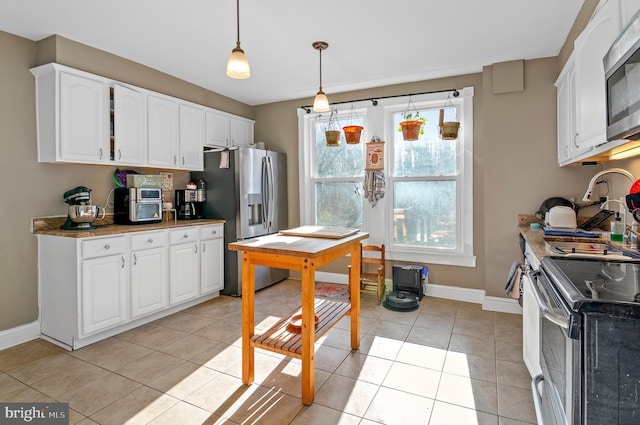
[371,42]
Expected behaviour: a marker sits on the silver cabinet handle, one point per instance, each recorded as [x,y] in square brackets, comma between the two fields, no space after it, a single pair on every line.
[135,259]
[119,154]
[575,140]
[213,232]
[150,240]
[100,153]
[204,247]
[122,261]
[196,248]
[174,160]
[107,246]
[185,236]
[183,160]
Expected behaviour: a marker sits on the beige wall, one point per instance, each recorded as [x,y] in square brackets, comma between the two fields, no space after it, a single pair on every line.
[32,189]
[514,157]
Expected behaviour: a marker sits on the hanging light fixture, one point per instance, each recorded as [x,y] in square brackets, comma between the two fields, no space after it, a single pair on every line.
[238,65]
[320,103]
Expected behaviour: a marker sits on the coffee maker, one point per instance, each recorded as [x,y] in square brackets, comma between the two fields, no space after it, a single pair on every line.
[190,202]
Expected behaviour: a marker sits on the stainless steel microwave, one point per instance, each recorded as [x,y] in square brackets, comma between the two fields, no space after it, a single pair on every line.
[622,75]
[137,205]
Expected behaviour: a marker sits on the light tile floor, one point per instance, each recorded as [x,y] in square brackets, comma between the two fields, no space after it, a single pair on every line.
[448,363]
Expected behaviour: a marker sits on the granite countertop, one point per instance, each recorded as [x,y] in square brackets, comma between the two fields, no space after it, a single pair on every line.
[536,238]
[51,226]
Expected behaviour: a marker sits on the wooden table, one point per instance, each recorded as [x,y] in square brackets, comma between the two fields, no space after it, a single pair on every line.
[305,254]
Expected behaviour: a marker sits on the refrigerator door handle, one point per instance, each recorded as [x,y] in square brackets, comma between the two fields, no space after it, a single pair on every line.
[264,183]
[271,208]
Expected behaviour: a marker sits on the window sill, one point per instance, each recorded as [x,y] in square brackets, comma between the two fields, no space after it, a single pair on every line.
[432,258]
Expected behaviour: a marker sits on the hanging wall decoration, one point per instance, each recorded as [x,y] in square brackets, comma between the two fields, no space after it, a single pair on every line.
[375,154]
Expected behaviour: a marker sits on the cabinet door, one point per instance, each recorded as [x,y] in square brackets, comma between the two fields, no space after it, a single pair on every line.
[241,133]
[129,126]
[162,131]
[530,329]
[149,281]
[212,266]
[184,272]
[217,130]
[103,293]
[628,8]
[191,138]
[83,119]
[590,47]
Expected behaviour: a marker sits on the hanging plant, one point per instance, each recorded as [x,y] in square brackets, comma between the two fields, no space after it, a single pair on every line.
[448,129]
[332,132]
[412,123]
[352,133]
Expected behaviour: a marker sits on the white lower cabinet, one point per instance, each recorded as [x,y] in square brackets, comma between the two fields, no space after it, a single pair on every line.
[103,293]
[149,273]
[211,259]
[530,321]
[93,288]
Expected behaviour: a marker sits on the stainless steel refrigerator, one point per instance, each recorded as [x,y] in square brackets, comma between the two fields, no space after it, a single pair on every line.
[247,187]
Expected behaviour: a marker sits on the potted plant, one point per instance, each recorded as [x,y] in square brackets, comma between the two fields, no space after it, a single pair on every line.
[411,125]
[332,132]
[352,132]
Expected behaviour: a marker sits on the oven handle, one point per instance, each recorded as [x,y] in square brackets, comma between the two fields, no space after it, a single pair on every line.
[537,398]
[545,309]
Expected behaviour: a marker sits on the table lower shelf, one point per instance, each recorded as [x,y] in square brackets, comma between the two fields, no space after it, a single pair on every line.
[281,338]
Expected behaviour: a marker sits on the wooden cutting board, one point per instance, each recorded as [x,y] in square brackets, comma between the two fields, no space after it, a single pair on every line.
[320,232]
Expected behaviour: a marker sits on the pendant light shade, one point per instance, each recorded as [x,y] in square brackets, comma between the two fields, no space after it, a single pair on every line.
[320,103]
[238,65]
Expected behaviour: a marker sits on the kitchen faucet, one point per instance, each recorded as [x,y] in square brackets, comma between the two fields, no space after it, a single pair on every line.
[594,179]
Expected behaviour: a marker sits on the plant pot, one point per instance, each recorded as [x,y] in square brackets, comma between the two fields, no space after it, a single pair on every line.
[332,137]
[352,133]
[449,130]
[411,129]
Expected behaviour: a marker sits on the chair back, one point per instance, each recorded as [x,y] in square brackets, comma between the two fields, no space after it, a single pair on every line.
[375,255]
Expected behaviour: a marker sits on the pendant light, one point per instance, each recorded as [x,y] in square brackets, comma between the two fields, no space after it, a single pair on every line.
[320,103]
[238,65]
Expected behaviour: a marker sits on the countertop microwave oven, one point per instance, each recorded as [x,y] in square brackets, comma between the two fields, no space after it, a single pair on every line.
[622,79]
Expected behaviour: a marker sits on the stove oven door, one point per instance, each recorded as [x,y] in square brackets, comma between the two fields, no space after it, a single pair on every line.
[555,392]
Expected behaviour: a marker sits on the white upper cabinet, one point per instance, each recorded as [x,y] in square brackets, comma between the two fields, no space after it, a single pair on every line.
[162,121]
[88,119]
[129,126]
[192,124]
[628,8]
[72,112]
[227,131]
[589,50]
[217,130]
[241,132]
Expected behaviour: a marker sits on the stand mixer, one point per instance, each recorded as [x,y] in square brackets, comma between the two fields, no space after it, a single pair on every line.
[80,211]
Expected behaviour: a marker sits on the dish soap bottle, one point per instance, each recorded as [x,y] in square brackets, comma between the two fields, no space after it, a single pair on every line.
[617,229]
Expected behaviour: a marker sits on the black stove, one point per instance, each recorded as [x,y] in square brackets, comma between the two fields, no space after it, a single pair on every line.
[589,341]
[589,284]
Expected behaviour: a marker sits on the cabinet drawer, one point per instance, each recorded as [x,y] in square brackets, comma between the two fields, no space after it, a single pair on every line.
[188,234]
[211,232]
[104,246]
[148,240]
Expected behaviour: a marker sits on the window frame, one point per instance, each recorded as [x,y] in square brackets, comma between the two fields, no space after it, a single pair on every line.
[379,121]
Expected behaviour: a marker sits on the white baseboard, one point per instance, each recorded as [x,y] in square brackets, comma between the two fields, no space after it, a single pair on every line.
[477,296]
[19,335]
[502,305]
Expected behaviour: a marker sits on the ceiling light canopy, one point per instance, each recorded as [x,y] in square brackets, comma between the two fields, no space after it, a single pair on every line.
[320,103]
[238,65]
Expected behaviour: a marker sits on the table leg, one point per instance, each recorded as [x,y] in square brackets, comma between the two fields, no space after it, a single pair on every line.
[308,331]
[248,317]
[354,286]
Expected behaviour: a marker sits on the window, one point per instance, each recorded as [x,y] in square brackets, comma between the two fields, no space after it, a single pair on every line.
[426,215]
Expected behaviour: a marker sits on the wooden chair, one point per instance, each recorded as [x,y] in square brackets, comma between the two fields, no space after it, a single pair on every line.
[372,280]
